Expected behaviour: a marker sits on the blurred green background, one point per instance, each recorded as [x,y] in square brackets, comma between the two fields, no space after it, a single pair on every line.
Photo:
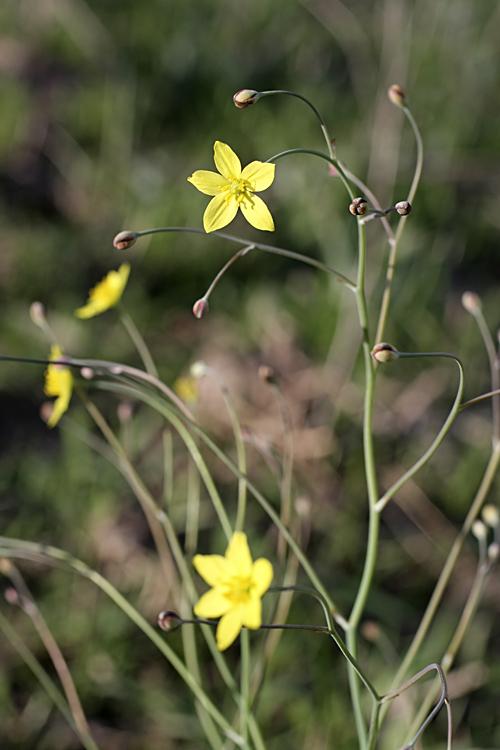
[106,108]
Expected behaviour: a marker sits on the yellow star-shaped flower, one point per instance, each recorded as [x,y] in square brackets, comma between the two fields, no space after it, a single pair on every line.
[107,293]
[234,188]
[58,382]
[238,585]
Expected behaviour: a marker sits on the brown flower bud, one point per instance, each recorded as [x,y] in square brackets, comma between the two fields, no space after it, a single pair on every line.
[169,621]
[246,98]
[403,208]
[384,353]
[397,96]
[87,373]
[471,302]
[267,374]
[124,240]
[200,308]
[358,207]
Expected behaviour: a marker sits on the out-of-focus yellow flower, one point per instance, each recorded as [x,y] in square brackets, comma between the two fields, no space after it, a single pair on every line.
[234,188]
[107,293]
[187,389]
[59,383]
[238,585]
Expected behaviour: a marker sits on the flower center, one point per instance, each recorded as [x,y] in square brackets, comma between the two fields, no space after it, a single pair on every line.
[239,589]
[238,190]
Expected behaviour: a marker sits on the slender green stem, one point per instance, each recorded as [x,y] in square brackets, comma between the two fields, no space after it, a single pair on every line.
[494,371]
[450,563]
[52,555]
[139,342]
[439,437]
[391,264]
[245,682]
[287,473]
[321,155]
[311,105]
[164,408]
[371,483]
[259,245]
[46,682]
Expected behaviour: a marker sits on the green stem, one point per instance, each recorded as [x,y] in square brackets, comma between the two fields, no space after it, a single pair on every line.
[245,682]
[53,555]
[259,245]
[46,682]
[495,373]
[391,265]
[139,342]
[439,437]
[450,563]
[331,160]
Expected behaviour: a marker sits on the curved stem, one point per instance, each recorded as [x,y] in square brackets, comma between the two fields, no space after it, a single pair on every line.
[259,245]
[311,105]
[439,437]
[138,341]
[331,160]
[494,371]
[391,265]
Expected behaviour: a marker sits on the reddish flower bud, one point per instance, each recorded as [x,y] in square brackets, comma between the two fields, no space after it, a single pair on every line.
[384,353]
[200,308]
[471,302]
[358,207]
[37,313]
[403,208]
[123,240]
[397,96]
[169,621]
[246,98]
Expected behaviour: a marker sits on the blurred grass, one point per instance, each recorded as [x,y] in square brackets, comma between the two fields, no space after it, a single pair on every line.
[106,109]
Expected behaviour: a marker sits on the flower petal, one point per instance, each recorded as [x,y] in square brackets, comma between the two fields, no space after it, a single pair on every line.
[259,175]
[252,615]
[106,294]
[262,575]
[214,569]
[206,182]
[239,555]
[257,213]
[212,604]
[228,628]
[226,161]
[219,213]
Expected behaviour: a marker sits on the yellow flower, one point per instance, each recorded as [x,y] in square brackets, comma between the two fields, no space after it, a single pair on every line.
[238,585]
[233,189]
[107,293]
[58,382]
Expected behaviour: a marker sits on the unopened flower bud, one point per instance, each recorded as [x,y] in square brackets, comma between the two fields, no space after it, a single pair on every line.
[491,516]
[87,373]
[5,566]
[397,96]
[358,207]
[169,621]
[479,530]
[124,240]
[12,596]
[246,98]
[267,373]
[403,208]
[384,353]
[37,314]
[493,551]
[124,412]
[371,631]
[200,308]
[198,370]
[471,302]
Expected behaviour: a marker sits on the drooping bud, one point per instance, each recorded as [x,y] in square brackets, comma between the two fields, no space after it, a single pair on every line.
[358,207]
[397,96]
[124,240]
[198,370]
[245,98]
[267,374]
[479,530]
[493,552]
[403,208]
[384,353]
[490,515]
[471,302]
[169,621]
[87,373]
[37,314]
[200,308]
